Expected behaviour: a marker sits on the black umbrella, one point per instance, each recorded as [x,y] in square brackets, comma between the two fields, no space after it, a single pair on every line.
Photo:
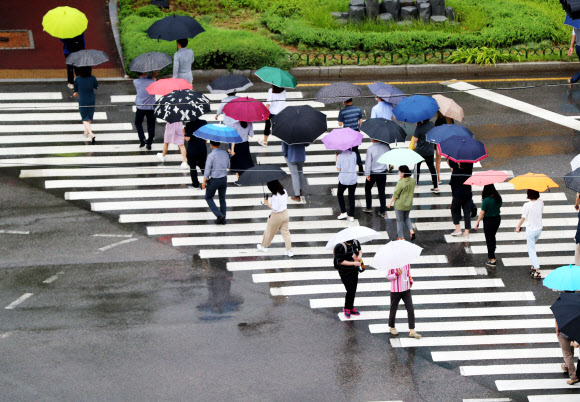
[337,92]
[229,83]
[184,105]
[567,313]
[147,62]
[175,27]
[87,58]
[261,174]
[572,180]
[298,124]
[383,130]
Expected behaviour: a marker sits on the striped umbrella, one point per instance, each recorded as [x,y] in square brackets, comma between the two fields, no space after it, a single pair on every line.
[153,61]
[337,92]
[87,58]
[218,133]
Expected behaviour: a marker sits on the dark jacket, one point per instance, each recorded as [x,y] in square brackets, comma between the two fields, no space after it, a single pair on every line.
[195,145]
[422,147]
[73,44]
[458,177]
[345,252]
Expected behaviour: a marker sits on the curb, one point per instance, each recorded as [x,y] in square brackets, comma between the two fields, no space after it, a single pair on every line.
[114,20]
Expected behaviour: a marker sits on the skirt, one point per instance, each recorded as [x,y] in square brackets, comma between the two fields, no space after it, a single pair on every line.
[174,133]
[242,160]
[87,113]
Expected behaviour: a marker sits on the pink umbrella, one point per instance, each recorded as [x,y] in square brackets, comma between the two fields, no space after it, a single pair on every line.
[342,139]
[168,85]
[246,109]
[487,177]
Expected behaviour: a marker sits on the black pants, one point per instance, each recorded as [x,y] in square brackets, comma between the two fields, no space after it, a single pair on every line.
[381,180]
[71,72]
[490,227]
[396,297]
[459,203]
[194,161]
[340,196]
[268,125]
[361,167]
[350,281]
[139,116]
[429,160]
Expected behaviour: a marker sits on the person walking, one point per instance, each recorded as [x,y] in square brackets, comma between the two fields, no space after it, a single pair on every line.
[491,216]
[461,196]
[145,104]
[69,46]
[401,283]
[425,149]
[84,89]
[376,173]
[295,156]
[566,344]
[278,219]
[439,121]
[347,180]
[275,102]
[574,44]
[196,151]
[174,134]
[532,212]
[347,260]
[241,157]
[228,121]
[382,110]
[215,179]
[403,200]
[577,237]
[351,117]
[182,61]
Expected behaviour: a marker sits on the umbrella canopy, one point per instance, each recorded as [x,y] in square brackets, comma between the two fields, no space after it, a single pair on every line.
[395,254]
[441,133]
[533,181]
[175,27]
[416,108]
[261,174]
[185,105]
[564,278]
[64,22]
[229,83]
[168,85]
[360,233]
[298,124]
[487,177]
[337,92]
[87,58]
[277,77]
[246,109]
[147,62]
[566,310]
[572,180]
[462,149]
[575,163]
[400,156]
[383,130]
[342,139]
[386,92]
[219,133]
[449,108]
[570,22]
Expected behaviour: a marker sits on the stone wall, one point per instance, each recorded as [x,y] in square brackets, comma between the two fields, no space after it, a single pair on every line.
[397,10]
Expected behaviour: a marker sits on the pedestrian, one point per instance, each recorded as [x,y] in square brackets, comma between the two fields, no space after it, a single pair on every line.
[347,260]
[145,104]
[278,219]
[241,157]
[215,179]
[577,237]
[403,200]
[574,43]
[567,346]
[174,134]
[347,180]
[491,216]
[84,89]
[439,121]
[401,283]
[69,46]
[376,173]
[461,196]
[295,156]
[196,151]
[228,121]
[351,117]
[182,61]
[382,110]
[275,102]
[532,212]
[425,149]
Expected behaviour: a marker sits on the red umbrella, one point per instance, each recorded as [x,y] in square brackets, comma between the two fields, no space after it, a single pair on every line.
[246,109]
[487,177]
[168,85]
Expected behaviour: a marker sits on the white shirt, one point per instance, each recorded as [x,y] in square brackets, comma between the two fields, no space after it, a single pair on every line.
[228,121]
[245,133]
[279,202]
[533,213]
[277,102]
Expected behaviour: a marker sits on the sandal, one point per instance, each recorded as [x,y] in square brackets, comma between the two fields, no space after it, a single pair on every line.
[413,236]
[532,269]
[536,275]
[570,83]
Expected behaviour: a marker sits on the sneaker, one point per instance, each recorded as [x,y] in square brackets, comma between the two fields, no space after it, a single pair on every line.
[193,187]
[572,381]
[354,312]
[435,190]
[393,331]
[71,86]
[297,199]
[466,236]
[564,368]
[221,220]
[161,157]
[237,184]
[351,218]
[383,214]
[289,253]
[491,264]
[262,143]
[148,146]
[456,233]
[259,247]
[342,216]
[415,335]
[346,312]
[184,166]
[141,145]
[368,210]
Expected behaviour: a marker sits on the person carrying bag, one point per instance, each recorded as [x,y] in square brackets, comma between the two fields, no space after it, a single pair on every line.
[348,262]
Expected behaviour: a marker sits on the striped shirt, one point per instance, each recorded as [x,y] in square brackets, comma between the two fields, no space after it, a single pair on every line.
[350,116]
[400,283]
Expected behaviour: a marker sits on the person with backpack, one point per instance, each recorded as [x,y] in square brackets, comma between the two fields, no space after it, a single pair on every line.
[347,260]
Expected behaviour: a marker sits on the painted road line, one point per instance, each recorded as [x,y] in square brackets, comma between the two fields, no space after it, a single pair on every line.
[536,383]
[332,114]
[18,232]
[91,160]
[488,400]
[445,213]
[53,277]
[112,235]
[275,252]
[486,325]
[550,261]
[72,149]
[100,171]
[214,97]
[55,128]
[332,180]
[150,181]
[110,246]
[497,354]
[9,107]
[34,117]
[513,236]
[473,340]
[553,398]
[323,158]
[510,369]
[30,96]
[153,193]
[505,223]
[522,248]
[18,301]
[37,139]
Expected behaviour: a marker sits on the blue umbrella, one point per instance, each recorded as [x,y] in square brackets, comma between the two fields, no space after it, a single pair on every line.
[462,149]
[573,23]
[564,278]
[219,133]
[416,108]
[441,133]
[386,92]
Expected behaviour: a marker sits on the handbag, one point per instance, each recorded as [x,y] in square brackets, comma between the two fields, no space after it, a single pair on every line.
[412,144]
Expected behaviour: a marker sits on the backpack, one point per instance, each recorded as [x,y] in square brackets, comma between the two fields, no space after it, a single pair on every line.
[336,263]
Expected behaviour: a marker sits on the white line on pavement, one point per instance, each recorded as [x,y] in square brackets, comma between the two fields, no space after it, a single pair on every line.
[47,116]
[20,232]
[444,213]
[53,128]
[505,223]
[513,369]
[30,96]
[522,248]
[9,107]
[553,398]
[110,246]
[467,326]
[72,149]
[550,261]
[497,354]
[536,383]
[18,301]
[58,138]
[513,236]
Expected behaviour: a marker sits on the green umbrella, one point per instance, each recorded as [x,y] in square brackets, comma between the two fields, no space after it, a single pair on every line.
[275,76]
[400,156]
[64,22]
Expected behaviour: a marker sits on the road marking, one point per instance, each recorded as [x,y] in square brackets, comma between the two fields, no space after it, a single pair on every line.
[30,96]
[536,383]
[444,213]
[505,223]
[20,232]
[53,278]
[63,138]
[511,369]
[553,398]
[72,149]
[54,128]
[110,246]
[5,335]
[18,301]
[488,400]
[440,326]
[112,235]
[323,84]
[497,354]
[550,261]
[98,171]
[154,193]
[27,117]
[215,97]
[522,248]
[90,160]
[513,236]
[8,107]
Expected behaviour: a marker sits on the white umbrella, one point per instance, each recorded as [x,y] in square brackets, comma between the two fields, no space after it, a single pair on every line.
[575,162]
[360,233]
[395,254]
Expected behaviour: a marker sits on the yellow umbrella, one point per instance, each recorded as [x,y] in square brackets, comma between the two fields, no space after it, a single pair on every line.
[533,181]
[449,108]
[64,22]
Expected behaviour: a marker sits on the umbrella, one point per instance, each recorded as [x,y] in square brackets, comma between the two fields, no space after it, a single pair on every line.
[337,92]
[386,92]
[360,233]
[533,181]
[416,108]
[87,58]
[277,77]
[64,22]
[572,180]
[487,177]
[566,310]
[575,163]
[175,27]
[395,254]
[342,139]
[399,157]
[229,83]
[168,85]
[573,23]
[153,61]
[184,105]
[261,174]
[246,109]
[218,133]
[564,278]
[449,108]
[383,130]
[441,133]
[462,149]
[298,124]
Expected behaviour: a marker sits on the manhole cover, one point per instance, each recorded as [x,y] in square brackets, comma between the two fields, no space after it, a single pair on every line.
[16,39]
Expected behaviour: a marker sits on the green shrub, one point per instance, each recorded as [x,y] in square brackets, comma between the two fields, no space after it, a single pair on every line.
[150,11]
[481,56]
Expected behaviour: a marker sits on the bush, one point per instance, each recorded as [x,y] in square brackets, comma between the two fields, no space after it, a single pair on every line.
[481,56]
[150,11]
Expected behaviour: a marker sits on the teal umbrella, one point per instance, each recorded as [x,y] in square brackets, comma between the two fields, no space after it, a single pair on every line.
[564,278]
[275,76]
[400,156]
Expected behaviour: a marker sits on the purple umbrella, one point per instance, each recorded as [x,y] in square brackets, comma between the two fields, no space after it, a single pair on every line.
[342,139]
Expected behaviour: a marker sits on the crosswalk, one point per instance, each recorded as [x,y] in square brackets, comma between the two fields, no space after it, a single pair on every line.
[465,313]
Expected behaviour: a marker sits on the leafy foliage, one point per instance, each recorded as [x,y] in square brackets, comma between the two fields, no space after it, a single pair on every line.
[481,56]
